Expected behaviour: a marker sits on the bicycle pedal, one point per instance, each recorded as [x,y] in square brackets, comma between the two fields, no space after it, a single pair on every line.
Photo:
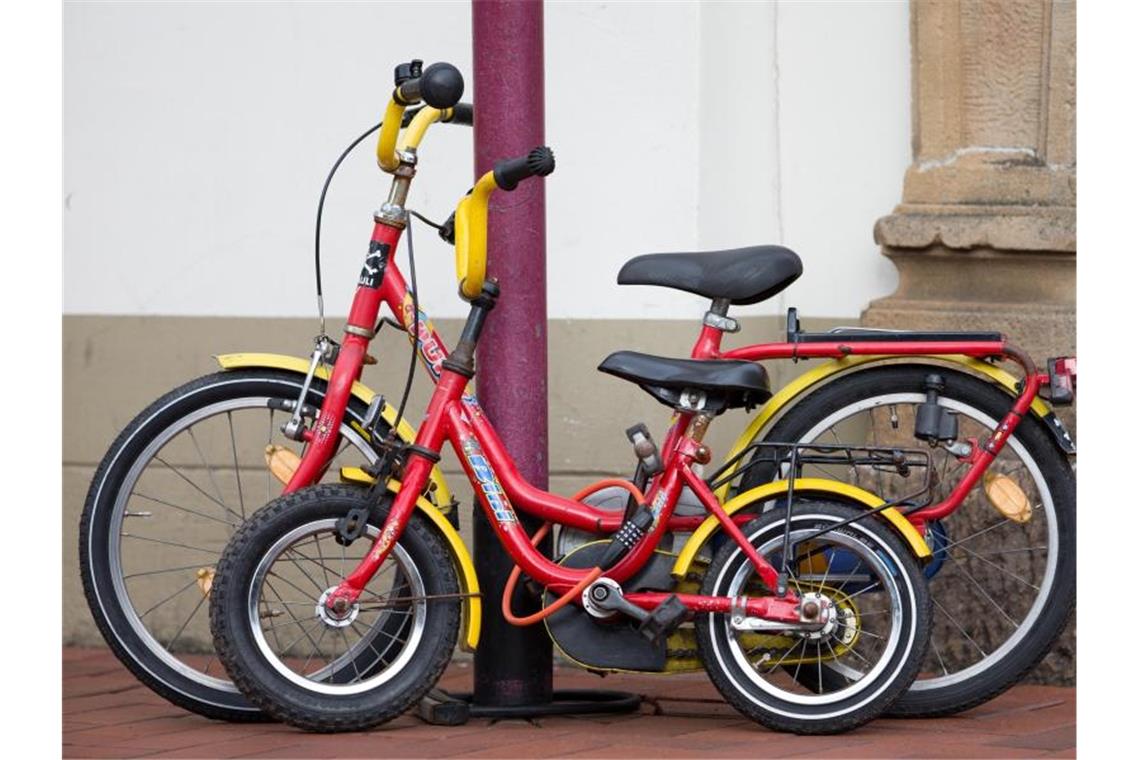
[664,619]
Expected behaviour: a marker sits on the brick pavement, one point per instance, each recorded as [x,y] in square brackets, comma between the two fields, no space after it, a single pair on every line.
[106,713]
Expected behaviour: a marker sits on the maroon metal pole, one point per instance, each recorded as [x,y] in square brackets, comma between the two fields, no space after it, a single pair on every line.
[513,665]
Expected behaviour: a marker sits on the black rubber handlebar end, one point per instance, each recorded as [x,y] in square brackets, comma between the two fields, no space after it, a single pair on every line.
[538,163]
[441,85]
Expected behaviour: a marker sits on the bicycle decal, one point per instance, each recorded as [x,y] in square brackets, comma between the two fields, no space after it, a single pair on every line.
[492,490]
[431,348]
[372,273]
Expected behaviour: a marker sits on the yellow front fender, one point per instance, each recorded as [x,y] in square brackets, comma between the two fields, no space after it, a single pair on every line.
[793,390]
[468,582]
[818,487]
[406,432]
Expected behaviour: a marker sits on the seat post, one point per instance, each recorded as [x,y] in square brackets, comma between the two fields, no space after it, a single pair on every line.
[717,316]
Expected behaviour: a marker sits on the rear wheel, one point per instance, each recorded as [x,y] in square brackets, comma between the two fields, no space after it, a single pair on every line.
[874,638]
[171,490]
[1002,590]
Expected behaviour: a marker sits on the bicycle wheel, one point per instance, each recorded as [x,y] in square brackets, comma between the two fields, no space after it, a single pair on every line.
[1002,590]
[296,659]
[875,632]
[169,493]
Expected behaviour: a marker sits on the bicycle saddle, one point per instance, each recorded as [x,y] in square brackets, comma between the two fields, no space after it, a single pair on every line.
[742,275]
[726,384]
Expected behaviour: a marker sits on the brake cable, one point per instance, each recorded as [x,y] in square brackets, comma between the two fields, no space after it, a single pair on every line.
[320,213]
[392,435]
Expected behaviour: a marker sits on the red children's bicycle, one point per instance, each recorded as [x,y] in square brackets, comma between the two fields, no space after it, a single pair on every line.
[987,496]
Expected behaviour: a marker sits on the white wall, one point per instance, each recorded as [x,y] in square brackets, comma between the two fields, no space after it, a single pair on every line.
[197,137]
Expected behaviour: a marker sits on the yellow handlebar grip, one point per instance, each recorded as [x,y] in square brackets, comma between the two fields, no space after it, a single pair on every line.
[471,237]
[389,131]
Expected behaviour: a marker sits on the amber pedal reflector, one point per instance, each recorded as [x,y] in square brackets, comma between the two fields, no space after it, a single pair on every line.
[1006,496]
[282,462]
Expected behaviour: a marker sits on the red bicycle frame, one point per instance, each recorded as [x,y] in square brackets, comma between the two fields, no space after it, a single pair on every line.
[455,416]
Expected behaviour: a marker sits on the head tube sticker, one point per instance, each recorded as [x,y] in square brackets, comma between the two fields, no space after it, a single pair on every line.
[372,273]
[488,483]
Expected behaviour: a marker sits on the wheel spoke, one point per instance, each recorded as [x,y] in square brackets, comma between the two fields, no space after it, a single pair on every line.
[938,654]
[998,567]
[316,646]
[209,469]
[324,568]
[237,470]
[215,552]
[962,569]
[295,618]
[367,642]
[195,486]
[352,660]
[160,572]
[184,509]
[958,625]
[305,634]
[295,587]
[300,569]
[167,599]
[185,623]
[983,531]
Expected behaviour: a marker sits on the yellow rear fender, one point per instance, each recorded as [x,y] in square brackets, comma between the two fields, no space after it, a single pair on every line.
[468,582]
[406,432]
[821,488]
[828,371]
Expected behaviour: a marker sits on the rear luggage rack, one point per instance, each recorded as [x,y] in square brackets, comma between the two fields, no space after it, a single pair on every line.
[788,459]
[865,334]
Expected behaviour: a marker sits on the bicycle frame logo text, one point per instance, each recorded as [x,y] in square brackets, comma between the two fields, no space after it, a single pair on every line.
[488,483]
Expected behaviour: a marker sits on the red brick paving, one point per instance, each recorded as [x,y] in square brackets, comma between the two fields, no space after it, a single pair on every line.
[106,713]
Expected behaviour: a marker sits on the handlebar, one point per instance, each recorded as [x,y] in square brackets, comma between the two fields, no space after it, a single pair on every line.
[510,172]
[471,215]
[440,86]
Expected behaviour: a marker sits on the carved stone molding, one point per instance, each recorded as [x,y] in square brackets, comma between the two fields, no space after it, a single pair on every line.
[987,221]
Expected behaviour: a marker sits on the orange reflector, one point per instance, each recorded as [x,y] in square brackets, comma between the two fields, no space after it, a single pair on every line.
[282,462]
[205,577]
[1006,496]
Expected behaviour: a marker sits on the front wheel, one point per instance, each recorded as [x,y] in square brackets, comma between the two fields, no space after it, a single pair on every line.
[874,635]
[171,490]
[297,660]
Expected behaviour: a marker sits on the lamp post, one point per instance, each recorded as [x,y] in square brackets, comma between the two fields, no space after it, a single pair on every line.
[514,666]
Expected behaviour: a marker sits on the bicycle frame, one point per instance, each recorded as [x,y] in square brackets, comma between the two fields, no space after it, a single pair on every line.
[455,416]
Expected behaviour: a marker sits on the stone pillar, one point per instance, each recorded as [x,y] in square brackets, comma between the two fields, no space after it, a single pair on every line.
[985,236]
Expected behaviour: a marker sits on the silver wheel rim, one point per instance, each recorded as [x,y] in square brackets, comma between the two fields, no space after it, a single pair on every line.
[119,512]
[1046,506]
[866,678]
[341,664]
